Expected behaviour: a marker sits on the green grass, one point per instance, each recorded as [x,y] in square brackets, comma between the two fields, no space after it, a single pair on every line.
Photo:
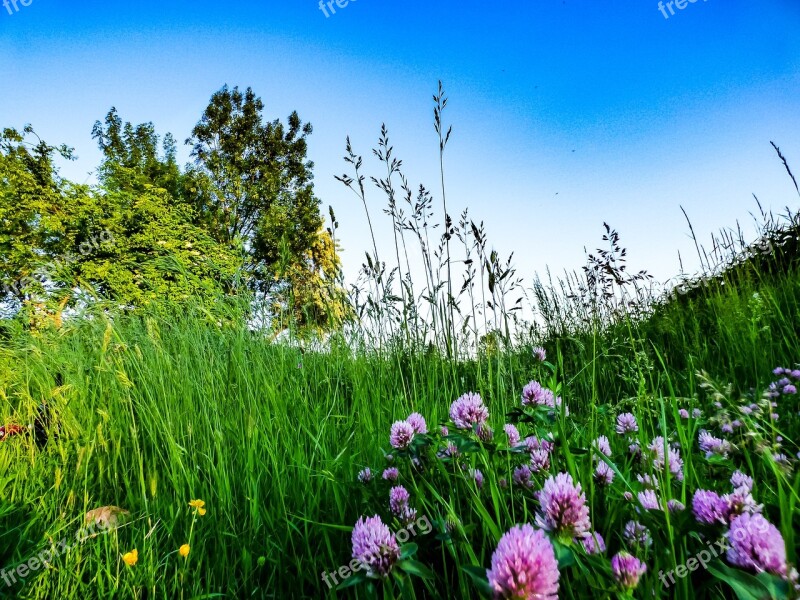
[155,412]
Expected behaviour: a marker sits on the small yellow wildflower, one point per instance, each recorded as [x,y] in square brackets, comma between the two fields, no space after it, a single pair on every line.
[198,505]
[184,550]
[131,558]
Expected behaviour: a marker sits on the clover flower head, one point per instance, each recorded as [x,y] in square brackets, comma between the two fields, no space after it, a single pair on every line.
[562,508]
[468,411]
[636,534]
[540,460]
[712,445]
[626,423]
[512,433]
[524,565]
[401,435]
[535,394]
[709,508]
[627,570]
[757,545]
[602,445]
[603,474]
[417,421]
[593,543]
[375,546]
[649,500]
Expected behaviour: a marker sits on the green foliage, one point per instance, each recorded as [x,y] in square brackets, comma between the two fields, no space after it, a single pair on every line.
[256,185]
[30,212]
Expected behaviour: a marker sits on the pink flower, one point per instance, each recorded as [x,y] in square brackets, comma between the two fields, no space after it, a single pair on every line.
[535,394]
[603,475]
[562,508]
[401,434]
[417,421]
[593,543]
[626,423]
[627,570]
[468,411]
[374,546]
[709,508]
[512,433]
[756,544]
[524,566]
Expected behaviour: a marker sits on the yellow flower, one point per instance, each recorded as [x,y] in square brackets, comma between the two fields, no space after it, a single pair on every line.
[131,558]
[198,505]
[184,550]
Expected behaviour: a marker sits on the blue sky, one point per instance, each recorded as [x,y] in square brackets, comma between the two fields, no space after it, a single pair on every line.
[566,113]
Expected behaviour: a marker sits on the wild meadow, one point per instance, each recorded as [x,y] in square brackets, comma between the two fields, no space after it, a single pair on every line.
[429,442]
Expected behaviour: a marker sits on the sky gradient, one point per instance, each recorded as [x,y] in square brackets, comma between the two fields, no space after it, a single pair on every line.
[565,113]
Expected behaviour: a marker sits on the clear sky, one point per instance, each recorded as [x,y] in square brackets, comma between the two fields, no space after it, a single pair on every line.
[566,113]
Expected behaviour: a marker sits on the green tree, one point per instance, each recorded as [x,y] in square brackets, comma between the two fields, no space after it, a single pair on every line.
[254,183]
[32,216]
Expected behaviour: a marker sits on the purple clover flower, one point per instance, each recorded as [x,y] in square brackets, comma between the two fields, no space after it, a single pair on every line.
[398,500]
[540,460]
[649,500]
[709,508]
[675,506]
[374,546]
[602,445]
[757,545]
[739,479]
[712,445]
[539,354]
[562,508]
[593,543]
[603,474]
[627,570]
[512,433]
[478,477]
[672,459]
[636,534]
[468,411]
[524,565]
[391,474]
[417,421]
[626,423]
[365,475]
[401,435]
[523,476]
[535,394]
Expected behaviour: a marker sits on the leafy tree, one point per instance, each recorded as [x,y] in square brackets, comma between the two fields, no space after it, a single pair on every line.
[140,248]
[255,184]
[31,214]
[131,158]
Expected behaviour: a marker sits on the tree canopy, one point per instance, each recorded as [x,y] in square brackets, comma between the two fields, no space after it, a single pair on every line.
[241,217]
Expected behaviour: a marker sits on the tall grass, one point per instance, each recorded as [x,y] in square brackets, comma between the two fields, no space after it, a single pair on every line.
[155,411]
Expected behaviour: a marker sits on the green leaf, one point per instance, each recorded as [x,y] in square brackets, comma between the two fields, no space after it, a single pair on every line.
[478,576]
[416,568]
[354,579]
[564,555]
[745,585]
[408,550]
